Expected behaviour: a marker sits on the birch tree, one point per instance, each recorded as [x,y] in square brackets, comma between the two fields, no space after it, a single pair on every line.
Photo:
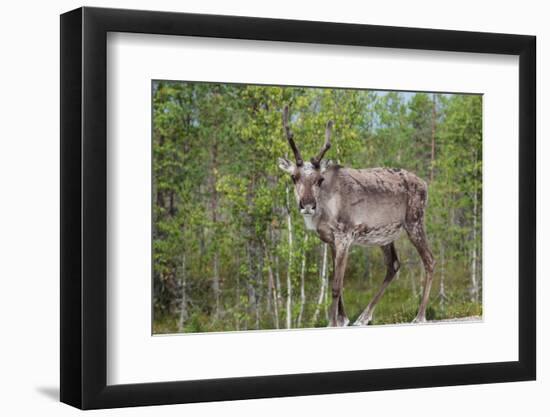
[230,250]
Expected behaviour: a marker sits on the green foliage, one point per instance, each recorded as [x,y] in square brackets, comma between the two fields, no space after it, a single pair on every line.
[224,212]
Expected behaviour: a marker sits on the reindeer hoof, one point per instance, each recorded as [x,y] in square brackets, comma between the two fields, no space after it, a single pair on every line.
[363,320]
[340,322]
[419,319]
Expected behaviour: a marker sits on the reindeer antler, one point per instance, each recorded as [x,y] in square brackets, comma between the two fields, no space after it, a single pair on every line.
[290,138]
[328,132]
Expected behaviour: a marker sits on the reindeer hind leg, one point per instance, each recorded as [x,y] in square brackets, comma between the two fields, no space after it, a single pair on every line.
[414,225]
[417,235]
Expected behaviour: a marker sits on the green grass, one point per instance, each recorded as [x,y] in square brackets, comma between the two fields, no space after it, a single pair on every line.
[398,305]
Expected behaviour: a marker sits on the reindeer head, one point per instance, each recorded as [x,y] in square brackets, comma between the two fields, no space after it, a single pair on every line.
[308,177]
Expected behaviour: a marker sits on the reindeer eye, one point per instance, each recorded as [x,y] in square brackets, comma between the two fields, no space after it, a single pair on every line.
[320,181]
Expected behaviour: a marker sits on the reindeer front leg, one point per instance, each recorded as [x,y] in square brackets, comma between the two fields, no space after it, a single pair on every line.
[338,316]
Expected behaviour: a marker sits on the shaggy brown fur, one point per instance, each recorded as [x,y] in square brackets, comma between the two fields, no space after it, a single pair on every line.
[369,207]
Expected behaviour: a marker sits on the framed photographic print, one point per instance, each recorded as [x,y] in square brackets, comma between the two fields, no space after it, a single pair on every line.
[256,208]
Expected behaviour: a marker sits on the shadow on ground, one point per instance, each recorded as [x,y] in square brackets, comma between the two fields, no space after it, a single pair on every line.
[50,392]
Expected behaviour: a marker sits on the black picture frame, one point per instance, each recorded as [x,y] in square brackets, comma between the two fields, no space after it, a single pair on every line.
[84,207]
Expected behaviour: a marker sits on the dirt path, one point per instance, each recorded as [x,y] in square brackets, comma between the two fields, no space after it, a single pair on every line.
[470,319]
[459,319]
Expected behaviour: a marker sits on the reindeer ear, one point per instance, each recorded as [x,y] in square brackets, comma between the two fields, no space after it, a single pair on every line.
[325,164]
[286,165]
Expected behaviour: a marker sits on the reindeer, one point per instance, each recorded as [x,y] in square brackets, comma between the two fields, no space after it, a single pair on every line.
[368,207]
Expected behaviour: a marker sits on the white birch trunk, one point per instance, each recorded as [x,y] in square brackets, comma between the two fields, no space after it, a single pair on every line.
[474,289]
[289,269]
[442,295]
[273,293]
[302,284]
[277,282]
[323,285]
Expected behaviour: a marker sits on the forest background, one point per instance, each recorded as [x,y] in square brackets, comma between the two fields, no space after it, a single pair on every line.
[230,250]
